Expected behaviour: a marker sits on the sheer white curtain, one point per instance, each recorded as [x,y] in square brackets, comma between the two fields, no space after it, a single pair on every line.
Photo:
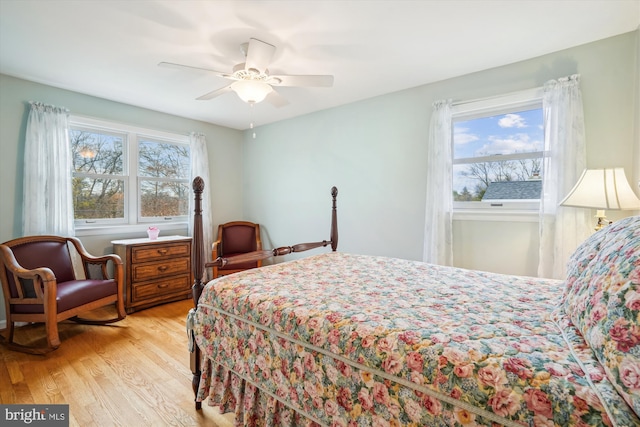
[562,229]
[200,167]
[48,204]
[438,236]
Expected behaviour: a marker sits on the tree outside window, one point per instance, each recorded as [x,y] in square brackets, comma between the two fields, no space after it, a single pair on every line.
[128,175]
[98,174]
[162,170]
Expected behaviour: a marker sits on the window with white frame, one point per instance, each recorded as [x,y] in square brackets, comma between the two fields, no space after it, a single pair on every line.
[497,151]
[124,175]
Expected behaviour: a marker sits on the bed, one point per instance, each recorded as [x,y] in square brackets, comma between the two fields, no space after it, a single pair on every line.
[339,339]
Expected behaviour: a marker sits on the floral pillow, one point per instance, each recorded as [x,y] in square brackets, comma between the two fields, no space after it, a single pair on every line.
[602,298]
[577,281]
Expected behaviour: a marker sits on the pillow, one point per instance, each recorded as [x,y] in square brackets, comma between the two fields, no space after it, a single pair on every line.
[602,299]
[577,278]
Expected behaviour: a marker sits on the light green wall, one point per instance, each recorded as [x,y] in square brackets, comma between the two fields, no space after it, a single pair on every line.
[224,148]
[375,152]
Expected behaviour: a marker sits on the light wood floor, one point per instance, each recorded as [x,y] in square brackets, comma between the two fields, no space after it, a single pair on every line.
[132,373]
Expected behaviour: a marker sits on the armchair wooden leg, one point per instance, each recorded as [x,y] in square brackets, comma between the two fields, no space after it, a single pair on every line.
[10,329]
[120,307]
[52,341]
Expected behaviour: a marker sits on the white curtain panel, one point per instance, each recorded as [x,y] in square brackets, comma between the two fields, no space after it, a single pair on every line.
[562,229]
[48,203]
[438,248]
[200,167]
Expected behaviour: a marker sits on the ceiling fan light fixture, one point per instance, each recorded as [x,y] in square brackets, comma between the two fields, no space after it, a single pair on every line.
[251,91]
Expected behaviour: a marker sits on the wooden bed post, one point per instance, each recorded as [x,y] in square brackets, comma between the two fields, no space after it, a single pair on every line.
[198,272]
[334,220]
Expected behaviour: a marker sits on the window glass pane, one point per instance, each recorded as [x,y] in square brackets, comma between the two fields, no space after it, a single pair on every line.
[163,160]
[161,198]
[512,133]
[98,198]
[97,153]
[124,174]
[471,180]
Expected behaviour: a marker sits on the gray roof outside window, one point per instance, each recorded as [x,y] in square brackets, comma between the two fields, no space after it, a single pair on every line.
[513,190]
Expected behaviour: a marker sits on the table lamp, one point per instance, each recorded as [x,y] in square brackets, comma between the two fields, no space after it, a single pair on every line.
[602,189]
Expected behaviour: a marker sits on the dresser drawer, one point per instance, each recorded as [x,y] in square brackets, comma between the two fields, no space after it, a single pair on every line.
[155,252]
[152,270]
[159,288]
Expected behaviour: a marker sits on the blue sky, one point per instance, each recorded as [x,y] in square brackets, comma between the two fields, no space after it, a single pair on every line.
[501,134]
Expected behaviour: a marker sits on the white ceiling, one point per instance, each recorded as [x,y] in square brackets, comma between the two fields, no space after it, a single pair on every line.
[111,48]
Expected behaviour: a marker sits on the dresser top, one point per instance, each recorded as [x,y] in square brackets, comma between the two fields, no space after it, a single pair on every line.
[160,239]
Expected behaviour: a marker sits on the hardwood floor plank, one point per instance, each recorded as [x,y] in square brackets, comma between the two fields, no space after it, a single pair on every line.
[134,373]
[11,373]
[42,388]
[148,388]
[111,403]
[68,381]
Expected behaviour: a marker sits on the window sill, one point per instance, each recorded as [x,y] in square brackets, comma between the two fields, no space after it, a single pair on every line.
[493,215]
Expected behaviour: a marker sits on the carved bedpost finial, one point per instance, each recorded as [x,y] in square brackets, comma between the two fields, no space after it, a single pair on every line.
[198,184]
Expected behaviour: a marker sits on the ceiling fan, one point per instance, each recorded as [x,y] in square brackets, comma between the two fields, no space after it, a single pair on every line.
[251,79]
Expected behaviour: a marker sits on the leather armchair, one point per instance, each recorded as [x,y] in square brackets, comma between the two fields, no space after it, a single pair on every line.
[40,284]
[235,238]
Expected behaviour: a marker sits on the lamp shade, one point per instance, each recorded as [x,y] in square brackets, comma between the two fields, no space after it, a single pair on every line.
[251,91]
[602,189]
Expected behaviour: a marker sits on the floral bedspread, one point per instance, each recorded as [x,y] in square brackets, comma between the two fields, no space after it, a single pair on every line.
[349,340]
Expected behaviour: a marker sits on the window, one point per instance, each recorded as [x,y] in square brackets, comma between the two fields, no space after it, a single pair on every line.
[124,175]
[497,153]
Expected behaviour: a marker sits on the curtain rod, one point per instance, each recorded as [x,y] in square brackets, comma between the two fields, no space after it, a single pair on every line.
[489,98]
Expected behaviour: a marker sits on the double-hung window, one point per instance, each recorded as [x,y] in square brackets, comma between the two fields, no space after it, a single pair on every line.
[497,151]
[128,176]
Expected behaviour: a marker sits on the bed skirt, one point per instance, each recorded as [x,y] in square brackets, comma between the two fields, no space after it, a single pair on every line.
[252,406]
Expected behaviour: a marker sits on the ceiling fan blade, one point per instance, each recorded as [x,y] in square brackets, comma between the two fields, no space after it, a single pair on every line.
[259,55]
[215,93]
[189,67]
[308,81]
[275,99]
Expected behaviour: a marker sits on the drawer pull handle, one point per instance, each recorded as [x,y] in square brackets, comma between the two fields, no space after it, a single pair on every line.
[162,268]
[162,286]
[162,251]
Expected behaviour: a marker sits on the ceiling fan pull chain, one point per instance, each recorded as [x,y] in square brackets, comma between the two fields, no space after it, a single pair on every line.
[251,104]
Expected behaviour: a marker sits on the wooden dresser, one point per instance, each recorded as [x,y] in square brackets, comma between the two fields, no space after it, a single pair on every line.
[156,271]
